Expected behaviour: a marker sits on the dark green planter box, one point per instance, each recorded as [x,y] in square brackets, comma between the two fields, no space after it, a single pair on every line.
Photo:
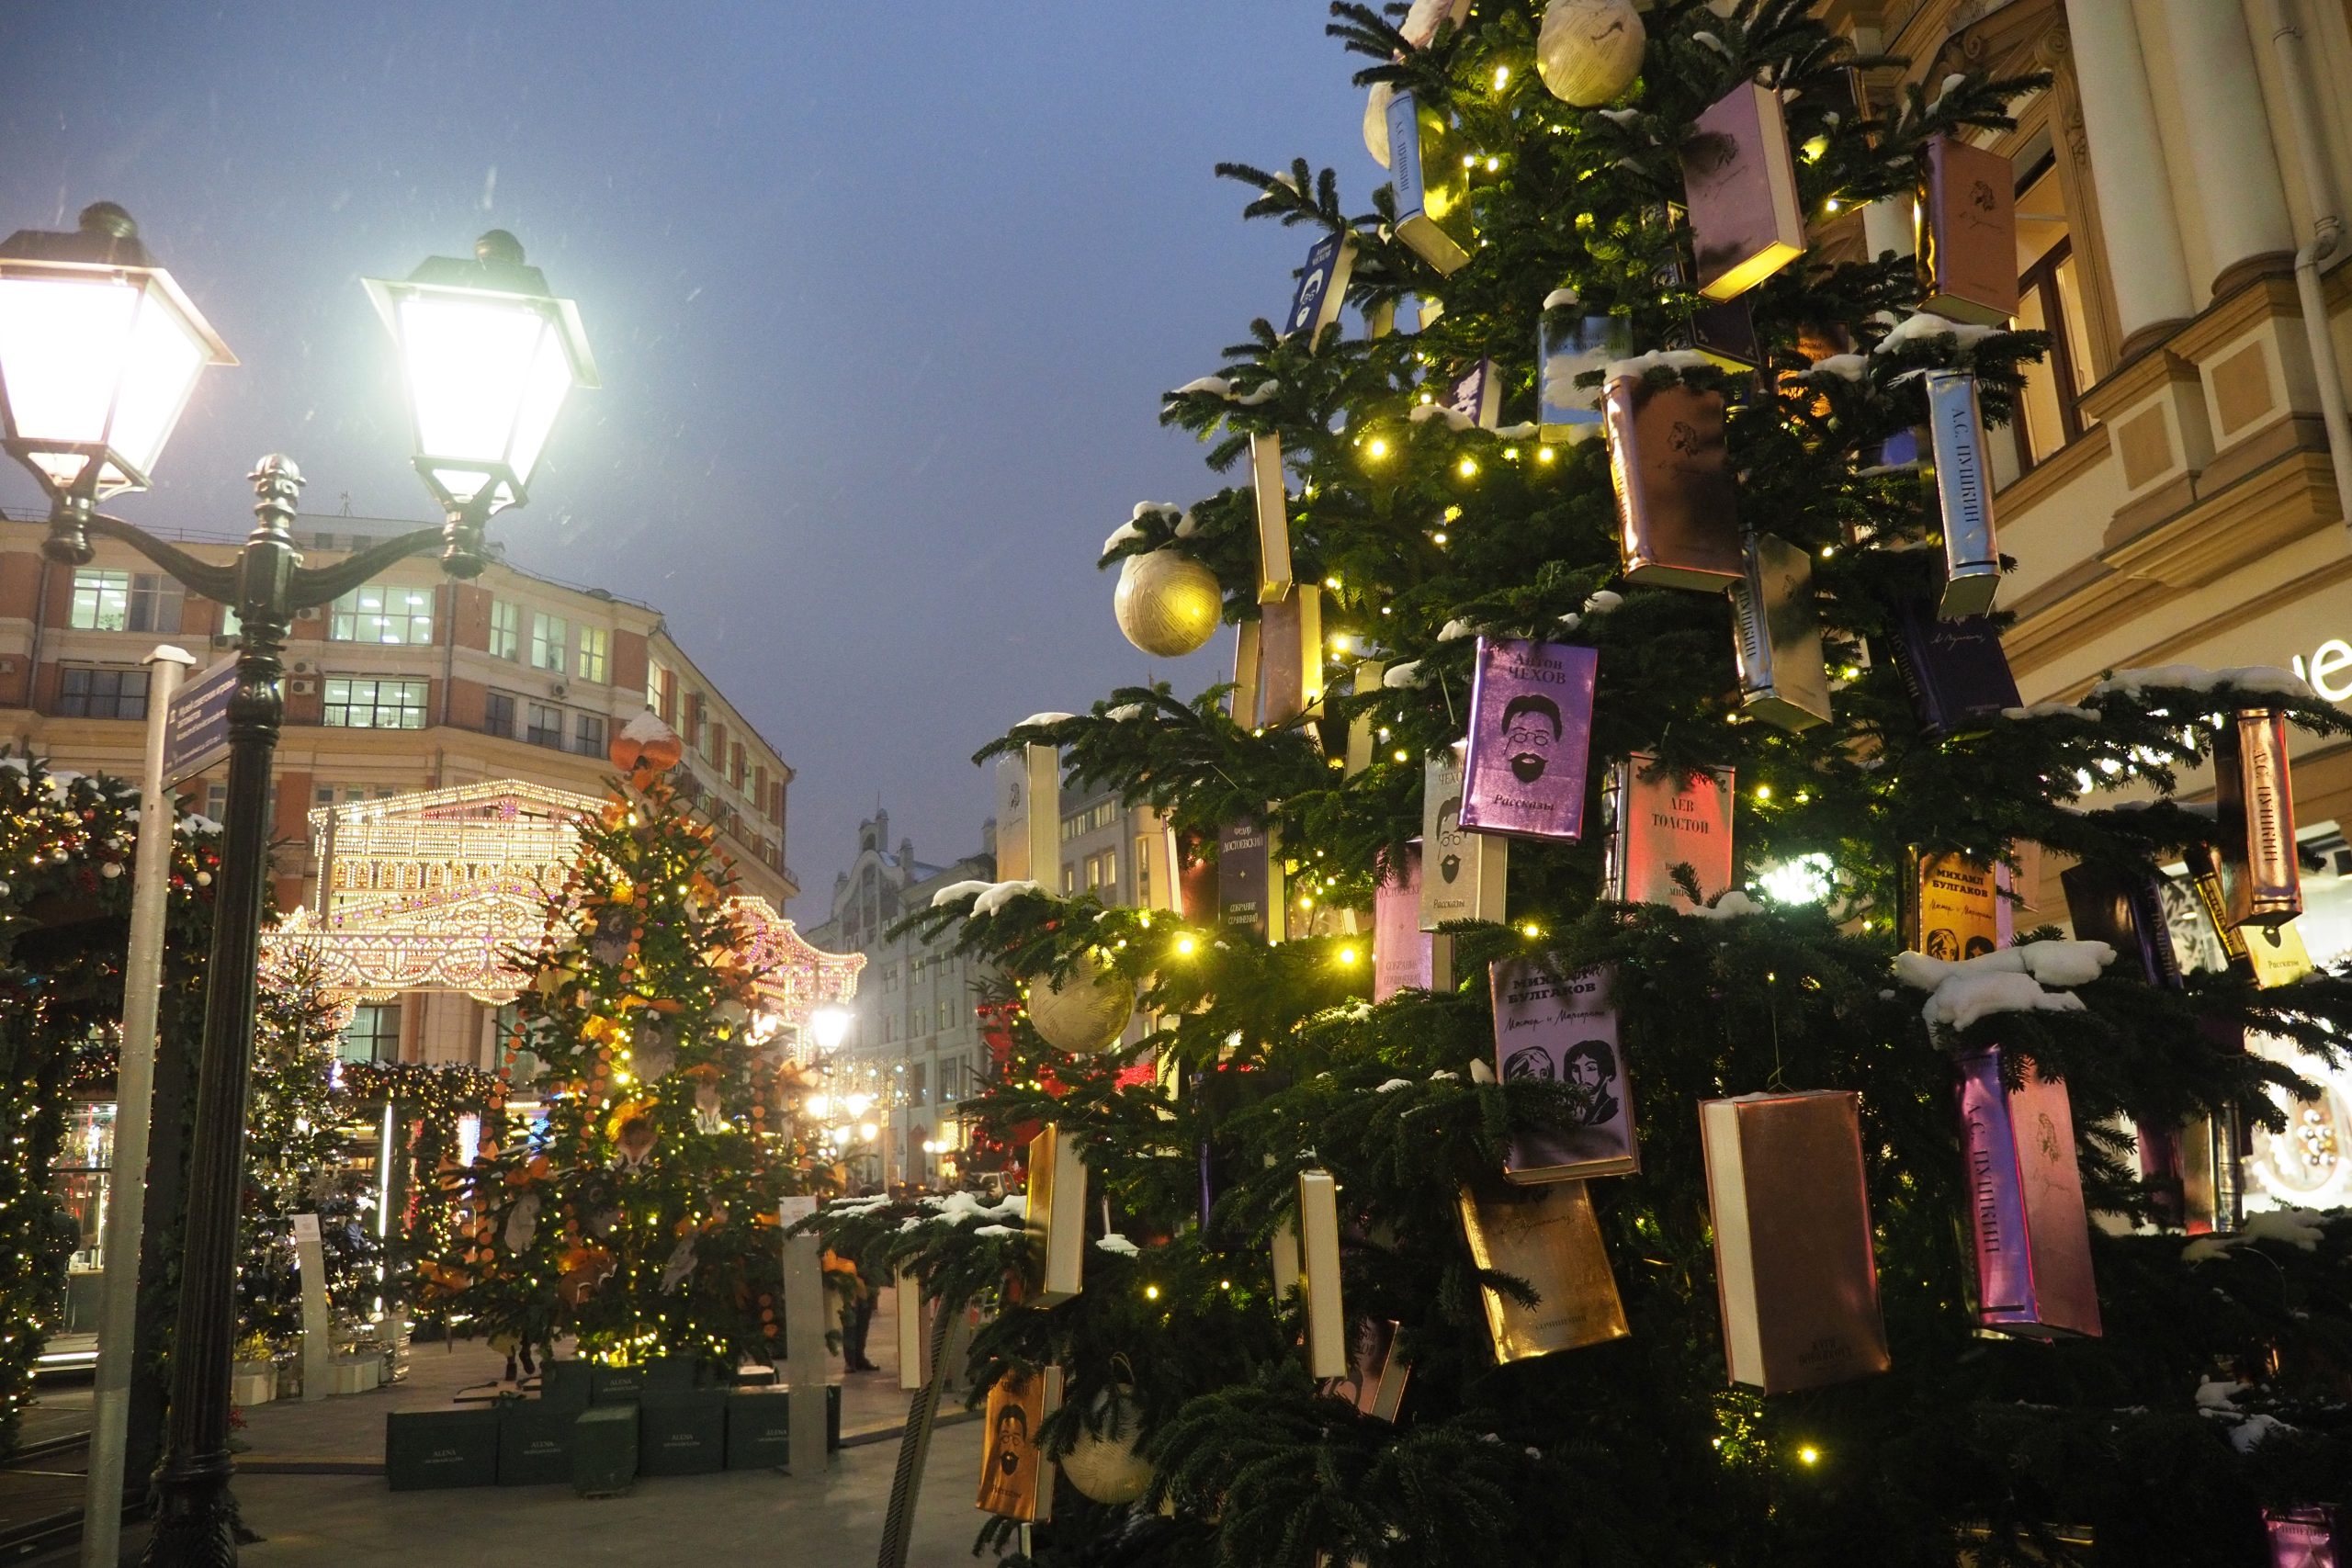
[564,1385]
[534,1443]
[682,1433]
[759,1427]
[426,1448]
[672,1375]
[616,1385]
[603,1450]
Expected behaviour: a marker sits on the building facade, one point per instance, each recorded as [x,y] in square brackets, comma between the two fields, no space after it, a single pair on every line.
[413,684]
[414,681]
[2176,490]
[912,1050]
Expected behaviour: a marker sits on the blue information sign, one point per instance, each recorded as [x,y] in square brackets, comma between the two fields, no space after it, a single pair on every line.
[196,727]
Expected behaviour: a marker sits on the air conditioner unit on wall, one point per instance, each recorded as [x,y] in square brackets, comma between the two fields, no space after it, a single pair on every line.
[305,667]
[303,688]
[310,615]
[556,688]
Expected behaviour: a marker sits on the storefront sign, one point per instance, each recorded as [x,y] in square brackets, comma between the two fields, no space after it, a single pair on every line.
[2329,669]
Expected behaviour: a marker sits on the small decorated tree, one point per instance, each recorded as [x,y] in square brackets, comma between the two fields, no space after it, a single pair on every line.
[642,1218]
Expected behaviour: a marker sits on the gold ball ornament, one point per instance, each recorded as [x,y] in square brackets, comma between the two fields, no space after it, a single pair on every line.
[1085,1013]
[1168,604]
[1102,1465]
[1589,51]
[1375,122]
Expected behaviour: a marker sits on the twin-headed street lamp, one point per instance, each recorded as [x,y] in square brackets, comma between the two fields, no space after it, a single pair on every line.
[99,350]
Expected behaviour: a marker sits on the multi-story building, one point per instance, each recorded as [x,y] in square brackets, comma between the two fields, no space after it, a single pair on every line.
[2179,486]
[414,681]
[913,1050]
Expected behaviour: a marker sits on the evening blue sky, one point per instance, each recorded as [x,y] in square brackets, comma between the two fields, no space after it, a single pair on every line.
[883,296]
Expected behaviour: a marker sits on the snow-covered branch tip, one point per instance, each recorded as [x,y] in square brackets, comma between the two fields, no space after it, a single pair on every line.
[2010,980]
[987,897]
[1218,387]
[2259,680]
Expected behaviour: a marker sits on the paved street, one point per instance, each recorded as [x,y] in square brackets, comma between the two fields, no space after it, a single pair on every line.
[311,1481]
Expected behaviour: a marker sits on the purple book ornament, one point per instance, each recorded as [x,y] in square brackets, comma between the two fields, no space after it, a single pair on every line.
[1400,949]
[1563,1028]
[1530,739]
[2305,1538]
[2026,1221]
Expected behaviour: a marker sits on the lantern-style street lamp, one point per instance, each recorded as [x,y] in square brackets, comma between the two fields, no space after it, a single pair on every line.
[99,352]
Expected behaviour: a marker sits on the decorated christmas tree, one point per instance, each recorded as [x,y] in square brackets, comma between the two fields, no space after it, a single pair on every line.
[294,1130]
[639,1216]
[1622,1093]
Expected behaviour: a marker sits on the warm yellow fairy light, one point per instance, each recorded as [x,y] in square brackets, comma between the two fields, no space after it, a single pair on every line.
[1401,756]
[1347,955]
[1808,1455]
[1467,467]
[1531,930]
[1438,537]
[1378,448]
[1502,77]
[1306,900]
[1151,1293]
[1493,164]
[1543,454]
[1763,792]
[1186,946]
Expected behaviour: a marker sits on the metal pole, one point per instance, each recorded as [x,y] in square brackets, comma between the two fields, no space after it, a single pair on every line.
[947,1334]
[195,1515]
[142,973]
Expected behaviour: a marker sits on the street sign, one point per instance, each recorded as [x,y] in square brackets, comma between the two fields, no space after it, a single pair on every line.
[196,727]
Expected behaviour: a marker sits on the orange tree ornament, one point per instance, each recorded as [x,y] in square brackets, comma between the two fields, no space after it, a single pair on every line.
[652,1106]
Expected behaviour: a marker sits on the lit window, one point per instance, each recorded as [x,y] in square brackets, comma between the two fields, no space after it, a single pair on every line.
[378,613]
[373,1034]
[155,602]
[550,641]
[86,693]
[101,600]
[593,641]
[657,690]
[505,629]
[360,704]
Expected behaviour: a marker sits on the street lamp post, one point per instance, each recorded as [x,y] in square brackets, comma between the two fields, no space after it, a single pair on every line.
[99,352]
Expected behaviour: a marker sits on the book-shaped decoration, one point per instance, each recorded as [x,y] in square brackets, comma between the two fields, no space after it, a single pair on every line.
[2311,1536]
[1377,1374]
[1954,672]
[1724,330]
[1197,883]
[1678,507]
[1461,872]
[2027,1227]
[1658,821]
[1577,347]
[1432,185]
[1016,1478]
[1057,1214]
[1249,881]
[1966,234]
[2125,910]
[1963,496]
[1782,678]
[2253,809]
[1290,636]
[1562,1030]
[1401,952]
[1551,1238]
[1322,286]
[1478,396]
[1530,739]
[1318,1275]
[1740,188]
[1951,907]
[1793,1268]
[1273,504]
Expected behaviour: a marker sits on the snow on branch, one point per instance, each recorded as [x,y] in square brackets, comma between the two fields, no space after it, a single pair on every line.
[2010,980]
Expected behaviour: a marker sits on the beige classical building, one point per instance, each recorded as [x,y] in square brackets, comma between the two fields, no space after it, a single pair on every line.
[2178,489]
[412,682]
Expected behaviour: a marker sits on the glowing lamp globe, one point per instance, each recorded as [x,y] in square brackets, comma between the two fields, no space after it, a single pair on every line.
[99,352]
[489,356]
[831,1027]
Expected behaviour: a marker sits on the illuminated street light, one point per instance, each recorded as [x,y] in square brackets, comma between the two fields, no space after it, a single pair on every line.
[830,1025]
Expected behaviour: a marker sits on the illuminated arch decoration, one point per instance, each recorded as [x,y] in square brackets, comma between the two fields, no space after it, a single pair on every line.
[430,891]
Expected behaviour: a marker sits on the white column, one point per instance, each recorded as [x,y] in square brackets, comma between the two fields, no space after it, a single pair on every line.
[2143,239]
[2228,134]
